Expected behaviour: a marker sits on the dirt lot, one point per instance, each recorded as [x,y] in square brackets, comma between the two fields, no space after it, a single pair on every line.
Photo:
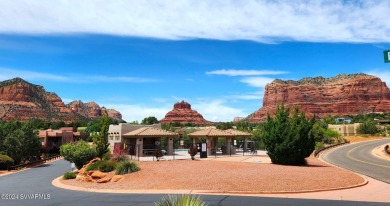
[229,176]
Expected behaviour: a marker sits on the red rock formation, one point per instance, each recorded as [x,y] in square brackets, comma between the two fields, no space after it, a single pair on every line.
[93,110]
[21,100]
[341,95]
[183,114]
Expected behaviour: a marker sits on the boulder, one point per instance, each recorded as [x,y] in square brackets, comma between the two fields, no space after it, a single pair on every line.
[116,178]
[103,180]
[98,174]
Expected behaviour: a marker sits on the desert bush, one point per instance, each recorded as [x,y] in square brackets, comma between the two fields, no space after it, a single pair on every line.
[180,200]
[288,140]
[126,167]
[69,175]
[120,158]
[107,166]
[193,151]
[387,150]
[106,156]
[319,145]
[93,166]
[78,152]
[367,127]
[5,162]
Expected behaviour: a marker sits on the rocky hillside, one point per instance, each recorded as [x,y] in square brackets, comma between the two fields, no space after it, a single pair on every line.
[341,95]
[21,100]
[183,114]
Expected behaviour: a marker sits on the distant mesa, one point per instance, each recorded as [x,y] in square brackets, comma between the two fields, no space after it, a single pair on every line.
[183,114]
[22,101]
[237,119]
[341,95]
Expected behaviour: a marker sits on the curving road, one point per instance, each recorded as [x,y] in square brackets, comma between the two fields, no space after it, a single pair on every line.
[358,158]
[33,187]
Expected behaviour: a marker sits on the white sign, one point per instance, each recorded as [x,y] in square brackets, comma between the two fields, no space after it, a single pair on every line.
[204,147]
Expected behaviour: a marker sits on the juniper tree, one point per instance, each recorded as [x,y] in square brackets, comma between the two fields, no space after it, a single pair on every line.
[288,140]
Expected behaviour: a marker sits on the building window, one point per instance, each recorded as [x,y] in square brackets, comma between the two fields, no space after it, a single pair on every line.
[111,136]
[117,136]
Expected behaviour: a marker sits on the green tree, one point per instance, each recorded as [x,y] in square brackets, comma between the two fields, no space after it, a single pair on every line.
[101,139]
[80,153]
[288,140]
[367,127]
[149,120]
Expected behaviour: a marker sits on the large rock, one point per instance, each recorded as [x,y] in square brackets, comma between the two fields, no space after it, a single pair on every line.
[183,114]
[341,95]
[98,175]
[103,180]
[116,178]
[22,101]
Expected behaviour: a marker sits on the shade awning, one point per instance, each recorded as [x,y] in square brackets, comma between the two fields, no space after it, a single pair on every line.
[211,132]
[150,132]
[238,133]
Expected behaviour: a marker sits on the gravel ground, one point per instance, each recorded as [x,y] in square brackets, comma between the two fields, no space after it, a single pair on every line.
[230,176]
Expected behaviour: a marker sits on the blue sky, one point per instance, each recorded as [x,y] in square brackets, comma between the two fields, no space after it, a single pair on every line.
[141,57]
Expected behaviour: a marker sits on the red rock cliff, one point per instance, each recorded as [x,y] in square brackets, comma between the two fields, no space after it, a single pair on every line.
[21,100]
[183,114]
[341,95]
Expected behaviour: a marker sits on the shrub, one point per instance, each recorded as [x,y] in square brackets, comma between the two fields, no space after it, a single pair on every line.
[107,166]
[367,127]
[78,152]
[157,153]
[126,167]
[288,140]
[120,158]
[387,150]
[106,156]
[319,145]
[94,166]
[69,175]
[5,162]
[179,200]
[193,151]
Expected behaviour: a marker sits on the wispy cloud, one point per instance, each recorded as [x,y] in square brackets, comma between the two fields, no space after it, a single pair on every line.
[384,75]
[235,72]
[262,21]
[257,81]
[6,73]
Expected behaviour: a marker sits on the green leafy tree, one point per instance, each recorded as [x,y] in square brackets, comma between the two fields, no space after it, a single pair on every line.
[367,127]
[80,153]
[288,140]
[101,139]
[149,120]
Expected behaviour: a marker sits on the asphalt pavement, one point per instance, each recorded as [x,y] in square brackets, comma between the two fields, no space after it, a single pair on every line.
[359,158]
[33,187]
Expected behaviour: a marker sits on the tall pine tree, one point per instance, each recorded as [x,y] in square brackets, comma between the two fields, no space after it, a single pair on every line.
[101,139]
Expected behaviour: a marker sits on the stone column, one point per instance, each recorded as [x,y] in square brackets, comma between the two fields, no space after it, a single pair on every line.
[170,146]
[228,145]
[245,144]
[208,142]
[139,147]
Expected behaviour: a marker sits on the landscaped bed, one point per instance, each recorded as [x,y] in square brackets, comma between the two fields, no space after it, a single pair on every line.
[229,176]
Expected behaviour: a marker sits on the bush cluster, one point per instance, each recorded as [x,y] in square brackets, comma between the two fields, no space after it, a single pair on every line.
[107,166]
[69,175]
[78,152]
[126,167]
[5,162]
[120,158]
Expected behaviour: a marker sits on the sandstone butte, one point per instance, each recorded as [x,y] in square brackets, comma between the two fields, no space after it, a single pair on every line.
[341,95]
[183,114]
[22,101]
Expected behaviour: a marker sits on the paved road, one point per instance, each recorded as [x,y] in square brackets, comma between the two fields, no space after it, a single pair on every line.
[38,181]
[357,157]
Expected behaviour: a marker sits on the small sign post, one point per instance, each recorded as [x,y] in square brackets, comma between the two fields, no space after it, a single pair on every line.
[387,56]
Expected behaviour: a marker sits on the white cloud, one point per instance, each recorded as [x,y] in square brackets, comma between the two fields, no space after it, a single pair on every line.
[6,74]
[217,111]
[257,81]
[383,75]
[263,21]
[234,72]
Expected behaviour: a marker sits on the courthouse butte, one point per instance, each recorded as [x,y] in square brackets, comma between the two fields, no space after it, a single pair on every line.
[183,114]
[341,95]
